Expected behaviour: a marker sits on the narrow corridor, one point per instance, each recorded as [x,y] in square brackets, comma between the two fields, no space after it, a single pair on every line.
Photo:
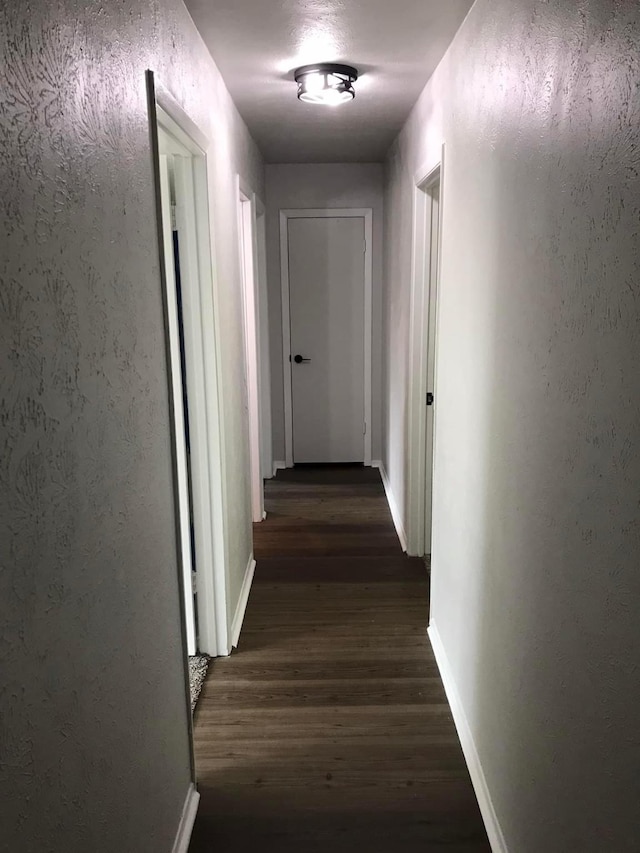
[328,728]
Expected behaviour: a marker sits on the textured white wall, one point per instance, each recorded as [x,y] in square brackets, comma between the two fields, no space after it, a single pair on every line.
[93,733]
[536,580]
[322,185]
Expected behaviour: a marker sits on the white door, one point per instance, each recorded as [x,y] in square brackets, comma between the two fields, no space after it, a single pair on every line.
[326,295]
[433,241]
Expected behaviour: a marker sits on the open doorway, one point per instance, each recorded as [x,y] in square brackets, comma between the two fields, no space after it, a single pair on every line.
[423,355]
[182,200]
[252,310]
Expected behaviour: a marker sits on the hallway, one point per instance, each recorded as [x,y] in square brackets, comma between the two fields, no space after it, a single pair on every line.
[328,728]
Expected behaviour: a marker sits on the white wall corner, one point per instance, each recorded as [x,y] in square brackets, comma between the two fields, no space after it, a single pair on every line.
[238,618]
[189,810]
[393,506]
[483,795]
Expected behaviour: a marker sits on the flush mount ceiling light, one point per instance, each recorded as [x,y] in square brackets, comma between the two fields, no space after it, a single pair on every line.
[326,83]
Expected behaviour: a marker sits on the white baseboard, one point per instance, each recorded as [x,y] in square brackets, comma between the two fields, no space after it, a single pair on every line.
[393,506]
[278,465]
[494,831]
[238,618]
[183,836]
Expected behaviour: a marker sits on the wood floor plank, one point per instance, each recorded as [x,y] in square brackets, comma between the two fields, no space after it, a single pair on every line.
[328,728]
[308,668]
[330,693]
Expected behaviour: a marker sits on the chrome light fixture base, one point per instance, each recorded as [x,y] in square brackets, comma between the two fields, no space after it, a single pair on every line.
[326,83]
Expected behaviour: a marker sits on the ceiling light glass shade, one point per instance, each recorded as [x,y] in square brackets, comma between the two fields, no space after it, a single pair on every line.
[326,83]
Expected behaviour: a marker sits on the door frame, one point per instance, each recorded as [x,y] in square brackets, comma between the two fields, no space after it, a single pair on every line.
[365,213]
[264,365]
[202,336]
[252,313]
[185,505]
[421,282]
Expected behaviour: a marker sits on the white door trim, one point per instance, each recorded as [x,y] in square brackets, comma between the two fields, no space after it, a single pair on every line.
[183,508]
[201,320]
[264,360]
[248,227]
[418,341]
[365,213]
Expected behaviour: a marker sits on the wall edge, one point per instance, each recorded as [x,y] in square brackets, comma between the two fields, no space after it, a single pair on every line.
[241,607]
[472,759]
[393,505]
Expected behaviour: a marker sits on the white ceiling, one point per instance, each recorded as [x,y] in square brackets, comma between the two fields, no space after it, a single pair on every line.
[395,45]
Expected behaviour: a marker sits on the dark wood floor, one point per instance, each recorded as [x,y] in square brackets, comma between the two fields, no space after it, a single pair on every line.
[328,728]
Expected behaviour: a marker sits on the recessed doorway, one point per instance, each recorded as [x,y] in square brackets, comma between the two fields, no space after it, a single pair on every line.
[423,358]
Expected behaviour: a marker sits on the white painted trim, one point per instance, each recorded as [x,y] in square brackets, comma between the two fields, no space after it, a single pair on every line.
[278,465]
[185,827]
[212,342]
[368,330]
[208,425]
[176,121]
[365,213]
[177,407]
[286,339]
[429,170]
[425,177]
[248,253]
[236,625]
[480,786]
[393,506]
[264,359]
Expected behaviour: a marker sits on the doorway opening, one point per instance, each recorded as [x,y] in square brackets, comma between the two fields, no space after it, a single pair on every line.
[326,275]
[179,151]
[423,358]
[253,312]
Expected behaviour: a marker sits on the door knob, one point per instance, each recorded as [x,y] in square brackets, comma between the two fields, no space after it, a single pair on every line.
[299,359]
